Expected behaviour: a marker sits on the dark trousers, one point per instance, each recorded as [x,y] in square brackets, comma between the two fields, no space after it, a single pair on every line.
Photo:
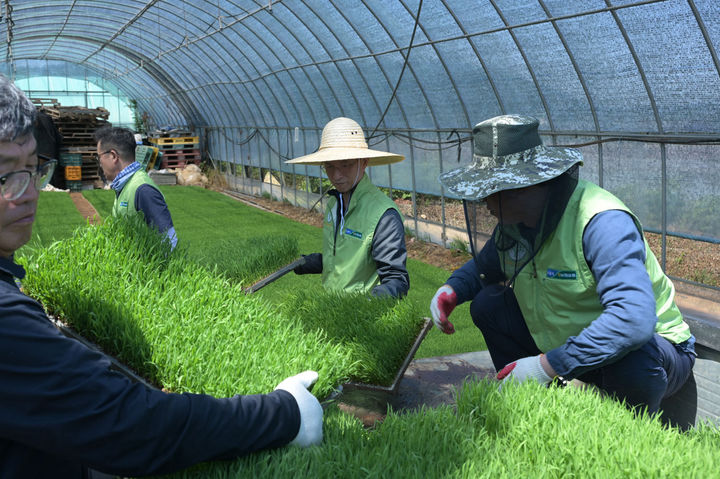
[642,377]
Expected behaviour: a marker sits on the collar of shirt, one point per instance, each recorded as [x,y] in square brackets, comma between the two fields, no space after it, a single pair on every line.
[8,266]
[119,182]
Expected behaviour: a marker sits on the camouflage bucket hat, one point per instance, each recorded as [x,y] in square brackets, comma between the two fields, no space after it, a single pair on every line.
[508,154]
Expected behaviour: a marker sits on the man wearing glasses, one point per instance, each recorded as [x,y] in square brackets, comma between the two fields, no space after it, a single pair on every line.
[363,233]
[135,191]
[64,411]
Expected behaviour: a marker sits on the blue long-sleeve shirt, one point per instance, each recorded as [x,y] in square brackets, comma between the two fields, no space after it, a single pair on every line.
[63,410]
[615,252]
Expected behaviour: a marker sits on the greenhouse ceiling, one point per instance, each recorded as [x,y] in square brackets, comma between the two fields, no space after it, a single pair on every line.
[586,67]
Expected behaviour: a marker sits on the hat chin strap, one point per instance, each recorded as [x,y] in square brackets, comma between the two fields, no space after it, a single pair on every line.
[357,176]
[350,191]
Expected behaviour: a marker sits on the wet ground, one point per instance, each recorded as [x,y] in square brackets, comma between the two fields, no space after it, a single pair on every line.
[426,382]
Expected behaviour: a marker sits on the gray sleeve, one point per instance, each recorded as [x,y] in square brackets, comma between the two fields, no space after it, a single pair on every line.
[390,255]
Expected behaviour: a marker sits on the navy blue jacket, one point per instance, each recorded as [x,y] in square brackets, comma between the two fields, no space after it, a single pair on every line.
[63,410]
[151,202]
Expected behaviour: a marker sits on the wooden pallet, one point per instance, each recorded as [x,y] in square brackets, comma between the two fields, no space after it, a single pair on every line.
[76,113]
[45,102]
[181,151]
[174,140]
[177,146]
[188,155]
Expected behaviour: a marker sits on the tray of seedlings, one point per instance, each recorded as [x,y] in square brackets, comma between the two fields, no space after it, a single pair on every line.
[191,328]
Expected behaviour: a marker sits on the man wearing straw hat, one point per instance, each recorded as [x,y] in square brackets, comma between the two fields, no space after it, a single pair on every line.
[363,233]
[566,285]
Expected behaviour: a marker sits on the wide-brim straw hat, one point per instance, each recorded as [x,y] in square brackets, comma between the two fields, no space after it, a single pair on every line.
[508,154]
[343,139]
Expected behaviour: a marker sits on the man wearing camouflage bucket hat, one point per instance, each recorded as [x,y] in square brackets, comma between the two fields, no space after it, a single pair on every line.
[363,232]
[566,285]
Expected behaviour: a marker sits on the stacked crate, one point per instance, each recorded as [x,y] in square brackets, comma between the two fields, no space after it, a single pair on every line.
[146,156]
[72,166]
[77,125]
[177,152]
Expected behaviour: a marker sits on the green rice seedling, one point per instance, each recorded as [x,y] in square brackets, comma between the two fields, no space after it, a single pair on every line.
[196,211]
[378,332]
[182,327]
[523,430]
[249,260]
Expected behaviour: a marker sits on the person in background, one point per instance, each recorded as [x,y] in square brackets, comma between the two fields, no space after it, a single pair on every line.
[566,285]
[363,233]
[135,191]
[63,412]
[49,141]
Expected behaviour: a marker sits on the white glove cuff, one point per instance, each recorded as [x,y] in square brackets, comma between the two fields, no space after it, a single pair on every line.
[540,372]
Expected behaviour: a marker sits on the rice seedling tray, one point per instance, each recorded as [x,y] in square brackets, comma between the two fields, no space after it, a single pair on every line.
[393,387]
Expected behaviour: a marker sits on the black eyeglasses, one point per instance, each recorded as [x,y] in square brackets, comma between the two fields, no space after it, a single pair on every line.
[97,157]
[15,183]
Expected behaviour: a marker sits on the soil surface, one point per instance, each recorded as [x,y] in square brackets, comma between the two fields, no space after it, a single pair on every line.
[688,259]
[85,207]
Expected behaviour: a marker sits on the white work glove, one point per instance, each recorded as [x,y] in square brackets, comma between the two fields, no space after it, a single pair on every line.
[524,369]
[441,306]
[311,412]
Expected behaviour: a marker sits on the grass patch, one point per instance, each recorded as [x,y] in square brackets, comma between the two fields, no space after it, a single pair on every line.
[522,431]
[188,329]
[375,330]
[249,260]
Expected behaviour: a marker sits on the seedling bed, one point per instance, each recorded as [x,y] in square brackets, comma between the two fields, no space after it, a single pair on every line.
[525,431]
[188,328]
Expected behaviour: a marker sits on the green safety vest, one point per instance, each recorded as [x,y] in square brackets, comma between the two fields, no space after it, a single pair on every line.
[557,292]
[125,201]
[347,255]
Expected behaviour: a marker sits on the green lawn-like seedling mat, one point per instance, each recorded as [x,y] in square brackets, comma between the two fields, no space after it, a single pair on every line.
[521,431]
[189,328]
[204,218]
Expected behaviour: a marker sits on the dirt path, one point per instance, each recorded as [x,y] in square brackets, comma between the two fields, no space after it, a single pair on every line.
[85,208]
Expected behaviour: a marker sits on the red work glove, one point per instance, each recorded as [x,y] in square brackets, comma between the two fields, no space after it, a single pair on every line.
[441,306]
[524,369]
